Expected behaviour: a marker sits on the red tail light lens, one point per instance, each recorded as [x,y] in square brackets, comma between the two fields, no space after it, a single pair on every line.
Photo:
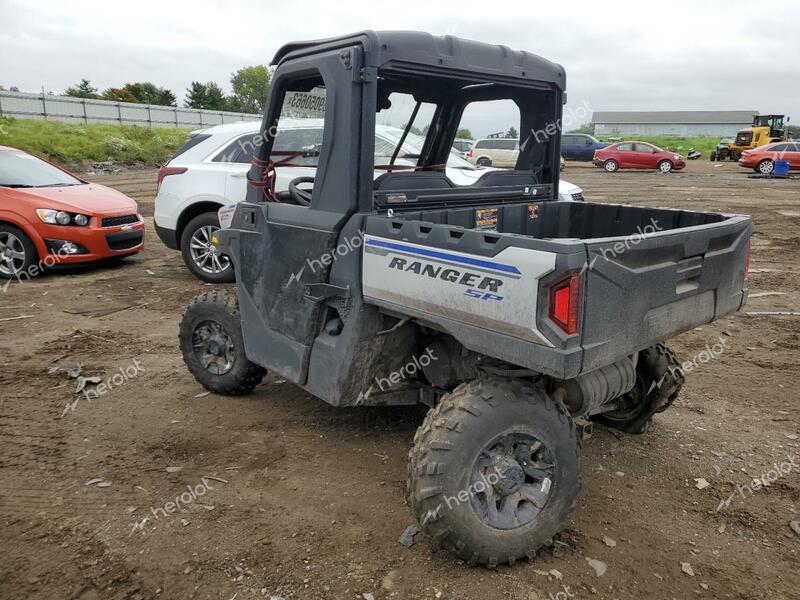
[469,153]
[747,261]
[564,301]
[166,171]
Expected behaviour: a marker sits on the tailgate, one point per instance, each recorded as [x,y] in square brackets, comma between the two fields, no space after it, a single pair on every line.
[643,289]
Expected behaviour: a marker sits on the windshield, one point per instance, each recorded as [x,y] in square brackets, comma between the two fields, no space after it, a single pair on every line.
[18,169]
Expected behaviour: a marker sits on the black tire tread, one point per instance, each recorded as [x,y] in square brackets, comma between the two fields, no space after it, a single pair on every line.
[251,374]
[427,457]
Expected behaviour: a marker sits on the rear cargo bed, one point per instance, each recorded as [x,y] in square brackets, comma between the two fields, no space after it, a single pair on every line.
[646,274]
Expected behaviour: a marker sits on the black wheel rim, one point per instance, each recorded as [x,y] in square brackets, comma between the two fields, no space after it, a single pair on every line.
[511,480]
[213,347]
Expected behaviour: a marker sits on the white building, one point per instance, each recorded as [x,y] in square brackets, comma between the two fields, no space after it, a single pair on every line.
[714,123]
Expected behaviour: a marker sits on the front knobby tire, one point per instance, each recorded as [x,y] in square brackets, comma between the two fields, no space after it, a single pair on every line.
[524,448]
[212,345]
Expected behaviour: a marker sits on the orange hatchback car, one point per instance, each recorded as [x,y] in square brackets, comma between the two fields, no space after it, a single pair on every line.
[49,217]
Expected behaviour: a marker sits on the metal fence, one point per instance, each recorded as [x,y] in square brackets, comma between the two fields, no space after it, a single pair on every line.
[79,110]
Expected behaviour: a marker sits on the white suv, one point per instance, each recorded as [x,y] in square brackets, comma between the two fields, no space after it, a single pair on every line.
[210,171]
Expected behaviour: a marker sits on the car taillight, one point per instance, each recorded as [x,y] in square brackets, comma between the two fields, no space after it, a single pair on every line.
[469,153]
[167,171]
[564,301]
[747,261]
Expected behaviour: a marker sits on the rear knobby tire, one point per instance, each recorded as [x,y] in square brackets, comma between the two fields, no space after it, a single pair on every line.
[659,379]
[230,372]
[447,448]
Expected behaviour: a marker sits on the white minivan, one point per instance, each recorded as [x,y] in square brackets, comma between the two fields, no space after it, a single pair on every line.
[210,171]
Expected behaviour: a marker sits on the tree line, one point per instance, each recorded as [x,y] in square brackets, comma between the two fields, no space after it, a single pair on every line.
[250,87]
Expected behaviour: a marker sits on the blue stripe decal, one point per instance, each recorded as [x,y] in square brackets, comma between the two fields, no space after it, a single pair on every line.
[475,262]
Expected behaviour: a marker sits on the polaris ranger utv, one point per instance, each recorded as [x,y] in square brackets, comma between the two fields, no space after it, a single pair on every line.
[517,318]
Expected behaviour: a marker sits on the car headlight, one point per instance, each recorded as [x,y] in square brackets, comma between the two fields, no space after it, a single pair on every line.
[61,217]
[676,156]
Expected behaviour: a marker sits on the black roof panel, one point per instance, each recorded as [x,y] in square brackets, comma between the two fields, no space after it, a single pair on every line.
[385,49]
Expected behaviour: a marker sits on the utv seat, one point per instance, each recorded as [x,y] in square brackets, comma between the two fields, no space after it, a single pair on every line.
[412,180]
[500,178]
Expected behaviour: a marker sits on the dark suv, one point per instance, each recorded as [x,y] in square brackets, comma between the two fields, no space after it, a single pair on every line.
[579,146]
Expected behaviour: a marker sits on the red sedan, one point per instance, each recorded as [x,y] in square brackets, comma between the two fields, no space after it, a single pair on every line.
[50,217]
[762,159]
[637,155]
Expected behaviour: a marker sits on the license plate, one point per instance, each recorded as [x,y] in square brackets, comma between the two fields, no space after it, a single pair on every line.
[226,215]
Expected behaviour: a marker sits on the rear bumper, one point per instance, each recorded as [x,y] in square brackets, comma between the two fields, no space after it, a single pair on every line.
[749,163]
[169,237]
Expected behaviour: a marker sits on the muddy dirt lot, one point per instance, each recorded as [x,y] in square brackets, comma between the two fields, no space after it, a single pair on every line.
[297,500]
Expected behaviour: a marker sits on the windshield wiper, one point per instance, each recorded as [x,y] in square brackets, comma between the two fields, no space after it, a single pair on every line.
[16,185]
[55,185]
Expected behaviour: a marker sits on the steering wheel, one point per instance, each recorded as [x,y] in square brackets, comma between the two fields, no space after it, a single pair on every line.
[301,197]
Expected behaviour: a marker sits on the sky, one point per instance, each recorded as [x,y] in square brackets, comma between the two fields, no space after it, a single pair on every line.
[618,55]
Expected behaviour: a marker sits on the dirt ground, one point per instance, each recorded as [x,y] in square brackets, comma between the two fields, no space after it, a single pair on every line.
[293,499]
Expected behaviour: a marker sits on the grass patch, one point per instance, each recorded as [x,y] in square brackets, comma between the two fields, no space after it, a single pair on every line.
[673,143]
[73,143]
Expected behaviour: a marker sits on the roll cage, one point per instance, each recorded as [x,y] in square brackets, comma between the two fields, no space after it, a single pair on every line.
[359,72]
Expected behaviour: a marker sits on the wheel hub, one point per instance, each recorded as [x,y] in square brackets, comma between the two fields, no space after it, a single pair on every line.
[511,480]
[213,347]
[510,475]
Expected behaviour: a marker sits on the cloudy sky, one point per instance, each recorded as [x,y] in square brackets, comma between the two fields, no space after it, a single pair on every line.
[618,55]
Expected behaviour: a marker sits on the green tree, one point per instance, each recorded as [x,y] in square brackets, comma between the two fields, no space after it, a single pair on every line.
[250,89]
[464,134]
[148,93]
[512,133]
[205,95]
[82,90]
[119,95]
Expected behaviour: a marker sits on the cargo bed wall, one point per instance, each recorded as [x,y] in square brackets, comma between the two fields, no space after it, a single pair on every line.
[640,290]
[567,220]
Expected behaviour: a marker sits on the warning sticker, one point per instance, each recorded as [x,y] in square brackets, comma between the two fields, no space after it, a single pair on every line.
[533,211]
[486,219]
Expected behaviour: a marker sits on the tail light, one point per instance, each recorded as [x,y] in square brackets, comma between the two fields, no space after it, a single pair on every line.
[469,153]
[167,171]
[564,301]
[747,261]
